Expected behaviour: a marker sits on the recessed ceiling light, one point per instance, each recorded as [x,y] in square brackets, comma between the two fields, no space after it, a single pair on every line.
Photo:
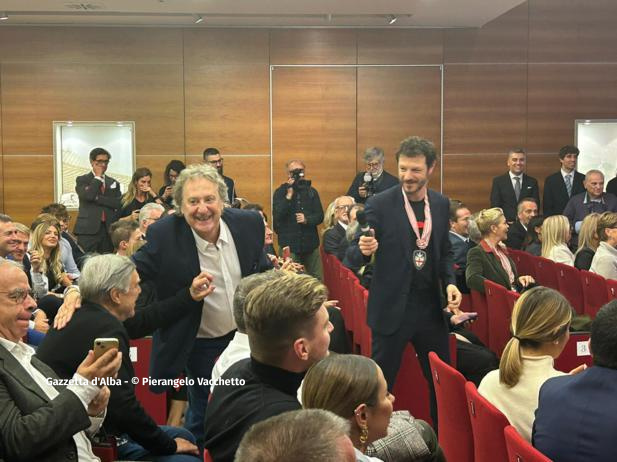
[4,16]
[198,18]
[391,19]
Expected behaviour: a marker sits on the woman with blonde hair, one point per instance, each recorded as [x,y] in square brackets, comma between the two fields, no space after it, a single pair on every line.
[540,330]
[588,242]
[47,272]
[604,261]
[139,193]
[353,387]
[555,237]
[489,259]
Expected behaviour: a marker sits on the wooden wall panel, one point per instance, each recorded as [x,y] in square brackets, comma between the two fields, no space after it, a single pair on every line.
[411,46]
[561,93]
[572,31]
[27,186]
[485,108]
[92,45]
[313,46]
[408,105]
[227,91]
[1,156]
[314,119]
[503,40]
[34,95]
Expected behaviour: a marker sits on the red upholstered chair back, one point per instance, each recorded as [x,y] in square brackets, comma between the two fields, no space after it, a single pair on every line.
[455,434]
[570,286]
[499,316]
[575,353]
[480,325]
[519,449]
[611,286]
[595,292]
[207,456]
[546,273]
[523,261]
[487,424]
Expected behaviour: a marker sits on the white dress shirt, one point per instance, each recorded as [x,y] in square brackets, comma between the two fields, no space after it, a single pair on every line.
[237,350]
[86,393]
[221,261]
[513,181]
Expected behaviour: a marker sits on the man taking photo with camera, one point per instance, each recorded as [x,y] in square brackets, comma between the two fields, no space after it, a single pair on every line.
[374,179]
[297,212]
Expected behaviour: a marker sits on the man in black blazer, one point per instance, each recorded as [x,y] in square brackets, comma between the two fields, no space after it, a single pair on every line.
[378,179]
[413,265]
[562,185]
[213,157]
[459,239]
[333,236]
[509,188]
[99,202]
[226,243]
[527,209]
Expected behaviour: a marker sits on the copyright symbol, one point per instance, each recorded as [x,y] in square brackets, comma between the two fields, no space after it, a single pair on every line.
[135,380]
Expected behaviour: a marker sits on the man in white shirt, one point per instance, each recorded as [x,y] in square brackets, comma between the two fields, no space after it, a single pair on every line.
[41,419]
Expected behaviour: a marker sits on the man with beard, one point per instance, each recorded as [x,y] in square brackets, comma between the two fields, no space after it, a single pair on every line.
[213,157]
[413,264]
[374,179]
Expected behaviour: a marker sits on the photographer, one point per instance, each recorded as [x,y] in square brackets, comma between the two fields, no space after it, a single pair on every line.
[374,180]
[297,212]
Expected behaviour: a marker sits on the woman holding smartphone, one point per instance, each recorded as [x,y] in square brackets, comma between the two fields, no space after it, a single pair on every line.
[139,193]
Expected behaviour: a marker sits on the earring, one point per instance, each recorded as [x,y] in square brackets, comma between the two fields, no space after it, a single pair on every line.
[363,437]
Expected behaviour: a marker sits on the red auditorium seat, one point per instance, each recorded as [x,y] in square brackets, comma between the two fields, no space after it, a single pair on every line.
[519,449]
[207,456]
[154,404]
[410,389]
[487,424]
[546,273]
[611,286]
[571,357]
[595,292]
[480,325]
[455,434]
[570,286]
[499,315]
[523,261]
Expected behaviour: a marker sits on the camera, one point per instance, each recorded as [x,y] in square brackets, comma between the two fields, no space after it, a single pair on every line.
[299,181]
[369,184]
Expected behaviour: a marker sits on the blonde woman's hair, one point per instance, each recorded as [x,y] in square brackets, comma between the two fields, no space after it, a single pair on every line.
[328,221]
[555,230]
[606,221]
[541,315]
[131,192]
[487,218]
[588,234]
[52,263]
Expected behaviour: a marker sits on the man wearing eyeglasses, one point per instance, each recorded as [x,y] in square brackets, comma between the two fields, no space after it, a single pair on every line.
[99,203]
[374,179]
[333,236]
[149,213]
[213,157]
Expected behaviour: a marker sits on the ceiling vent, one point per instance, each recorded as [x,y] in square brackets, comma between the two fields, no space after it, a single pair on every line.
[84,6]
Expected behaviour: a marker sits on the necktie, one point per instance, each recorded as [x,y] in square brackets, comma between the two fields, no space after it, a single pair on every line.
[569,184]
[517,187]
[103,216]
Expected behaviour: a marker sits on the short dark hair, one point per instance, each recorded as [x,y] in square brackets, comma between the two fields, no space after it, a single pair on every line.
[517,150]
[5,218]
[121,231]
[176,166]
[455,206]
[99,152]
[604,336]
[210,152]
[244,288]
[568,149]
[414,146]
[57,210]
[256,208]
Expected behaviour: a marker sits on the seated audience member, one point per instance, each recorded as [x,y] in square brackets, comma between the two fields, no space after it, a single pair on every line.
[374,179]
[459,239]
[533,240]
[540,325]
[575,419]
[335,231]
[351,231]
[172,171]
[611,186]
[48,274]
[289,330]
[8,236]
[588,242]
[67,248]
[124,234]
[110,286]
[527,209]
[474,233]
[490,260]
[555,237]
[139,193]
[39,420]
[62,215]
[353,387]
[149,214]
[310,435]
[604,261]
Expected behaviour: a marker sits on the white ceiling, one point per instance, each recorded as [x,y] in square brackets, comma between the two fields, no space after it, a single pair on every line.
[256,13]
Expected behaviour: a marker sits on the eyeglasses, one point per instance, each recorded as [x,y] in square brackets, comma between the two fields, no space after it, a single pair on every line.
[216,162]
[101,162]
[19,295]
[373,164]
[346,207]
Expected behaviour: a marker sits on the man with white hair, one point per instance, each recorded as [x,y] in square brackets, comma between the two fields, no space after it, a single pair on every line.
[225,243]
[333,236]
[374,179]
[149,214]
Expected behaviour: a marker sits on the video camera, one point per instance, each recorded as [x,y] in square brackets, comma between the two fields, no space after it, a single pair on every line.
[299,181]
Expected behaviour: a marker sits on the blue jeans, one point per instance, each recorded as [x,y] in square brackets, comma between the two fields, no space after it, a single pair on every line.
[134,451]
[204,354]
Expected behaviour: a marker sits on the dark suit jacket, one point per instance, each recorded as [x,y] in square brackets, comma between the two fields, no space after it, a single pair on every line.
[516,236]
[231,189]
[385,181]
[575,419]
[33,427]
[170,259]
[483,264]
[555,196]
[502,194]
[611,186]
[393,271]
[332,240]
[92,203]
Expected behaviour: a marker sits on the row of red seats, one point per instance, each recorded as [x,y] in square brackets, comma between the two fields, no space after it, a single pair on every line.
[587,292]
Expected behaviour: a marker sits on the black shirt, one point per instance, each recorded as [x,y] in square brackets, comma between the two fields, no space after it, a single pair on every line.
[266,391]
[134,205]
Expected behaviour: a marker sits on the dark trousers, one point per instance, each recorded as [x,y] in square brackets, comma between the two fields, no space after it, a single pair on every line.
[425,327]
[96,243]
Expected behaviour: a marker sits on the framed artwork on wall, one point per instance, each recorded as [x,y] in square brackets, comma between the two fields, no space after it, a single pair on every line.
[73,142]
[597,141]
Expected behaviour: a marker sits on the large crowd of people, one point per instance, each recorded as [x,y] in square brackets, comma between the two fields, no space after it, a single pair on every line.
[268,362]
